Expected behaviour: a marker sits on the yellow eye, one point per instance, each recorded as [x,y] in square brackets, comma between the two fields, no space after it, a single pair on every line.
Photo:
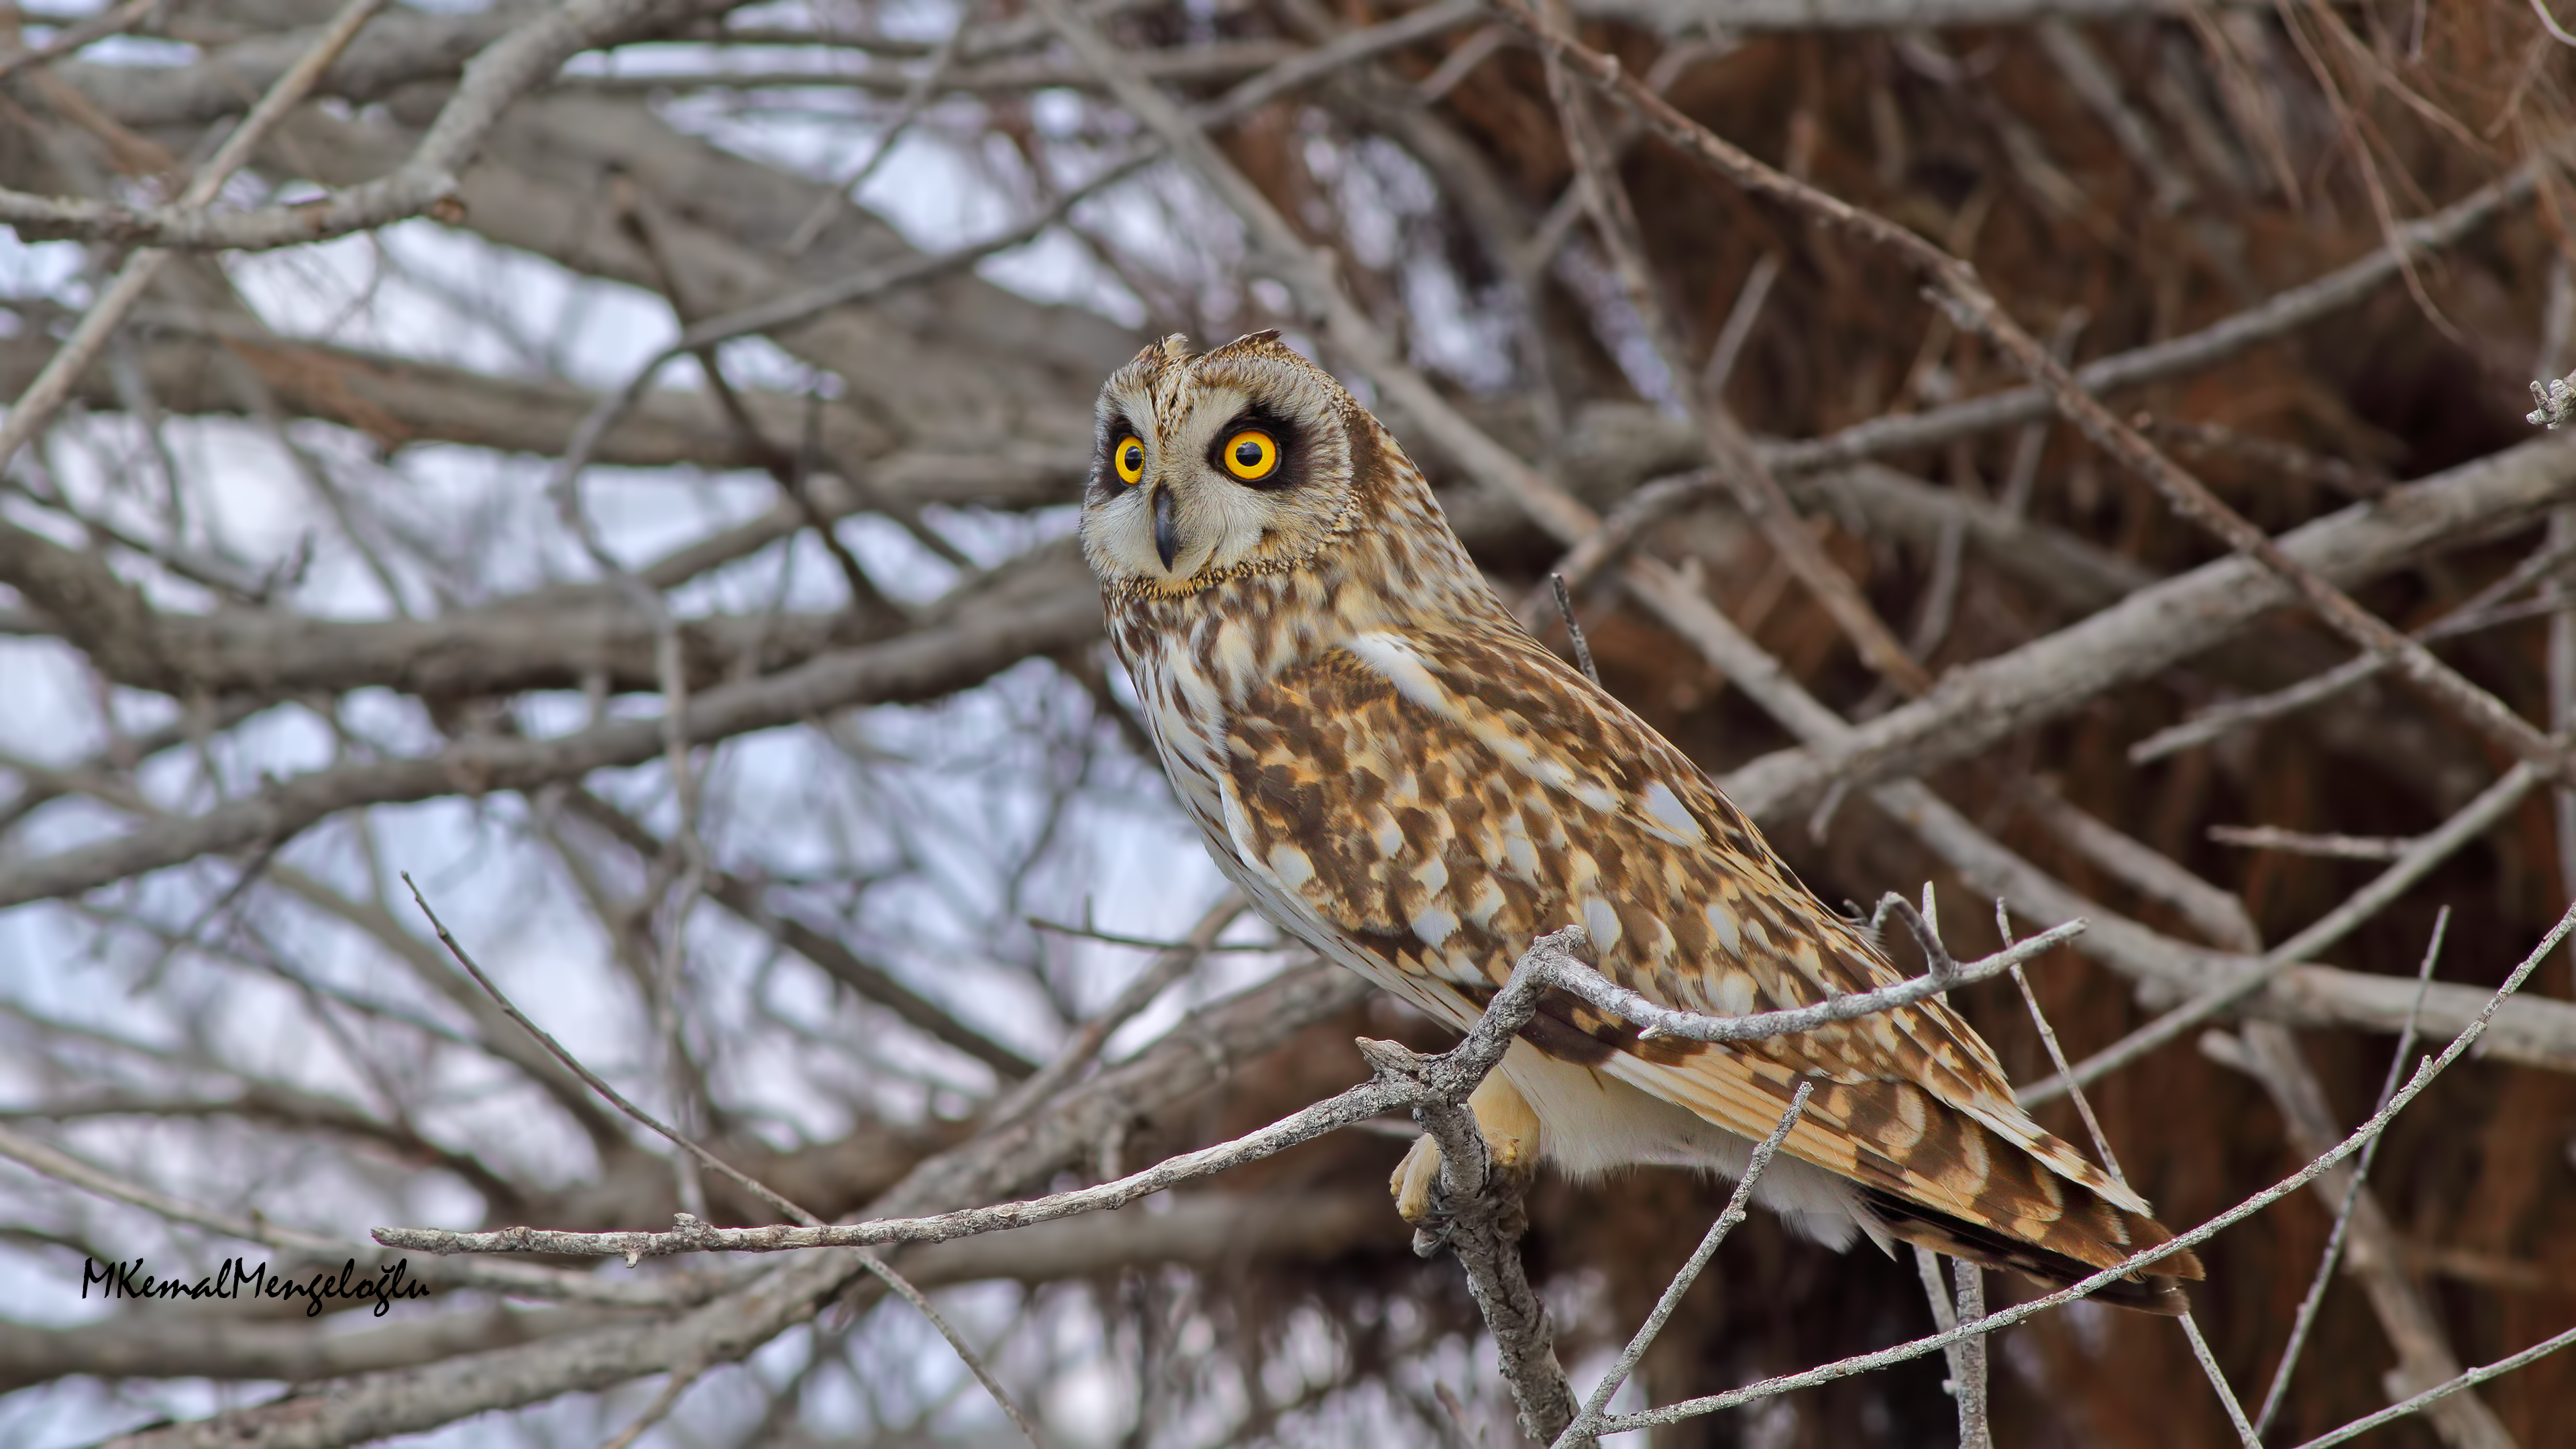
[1251,455]
[1129,459]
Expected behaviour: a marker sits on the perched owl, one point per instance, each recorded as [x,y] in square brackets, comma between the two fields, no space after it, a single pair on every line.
[1403,778]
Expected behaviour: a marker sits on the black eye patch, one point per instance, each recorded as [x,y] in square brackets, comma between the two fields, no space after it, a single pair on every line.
[1122,455]
[1260,449]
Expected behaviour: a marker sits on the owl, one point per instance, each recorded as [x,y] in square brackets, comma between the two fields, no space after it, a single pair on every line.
[1400,776]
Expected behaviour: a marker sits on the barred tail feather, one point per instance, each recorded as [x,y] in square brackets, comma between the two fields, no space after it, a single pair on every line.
[2156,1289]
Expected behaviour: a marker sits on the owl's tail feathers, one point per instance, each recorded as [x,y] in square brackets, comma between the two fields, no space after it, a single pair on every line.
[2154,1289]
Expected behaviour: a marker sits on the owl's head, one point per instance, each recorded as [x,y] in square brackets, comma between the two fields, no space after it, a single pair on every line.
[1240,460]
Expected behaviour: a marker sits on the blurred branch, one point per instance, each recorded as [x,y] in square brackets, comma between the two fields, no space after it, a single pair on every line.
[1209,1232]
[1842,15]
[2274,317]
[425,182]
[2217,915]
[397,48]
[1748,481]
[562,638]
[2427,852]
[2270,1055]
[1976,705]
[2542,1032]
[33,408]
[87,31]
[994,625]
[2476,612]
[1963,294]
[2295,842]
[2360,1137]
[1549,964]
[1194,1056]
[749,900]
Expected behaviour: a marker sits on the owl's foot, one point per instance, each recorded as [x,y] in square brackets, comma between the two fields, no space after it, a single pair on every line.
[1511,1142]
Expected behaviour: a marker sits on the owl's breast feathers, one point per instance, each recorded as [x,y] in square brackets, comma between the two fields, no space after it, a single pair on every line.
[1422,802]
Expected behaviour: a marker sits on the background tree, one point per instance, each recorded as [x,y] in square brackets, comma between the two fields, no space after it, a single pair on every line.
[614,461]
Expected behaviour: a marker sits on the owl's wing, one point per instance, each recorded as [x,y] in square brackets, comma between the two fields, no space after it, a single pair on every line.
[1432,802]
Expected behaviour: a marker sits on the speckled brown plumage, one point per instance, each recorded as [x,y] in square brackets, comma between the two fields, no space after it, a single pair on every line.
[1400,775]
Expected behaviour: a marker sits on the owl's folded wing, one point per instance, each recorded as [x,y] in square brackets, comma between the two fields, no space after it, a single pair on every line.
[1434,802]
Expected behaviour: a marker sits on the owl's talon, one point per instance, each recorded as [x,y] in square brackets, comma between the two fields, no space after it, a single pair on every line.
[1419,1198]
[1510,1130]
[1417,1181]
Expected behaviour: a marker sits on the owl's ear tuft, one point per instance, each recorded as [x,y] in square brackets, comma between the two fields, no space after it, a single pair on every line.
[1266,334]
[1176,348]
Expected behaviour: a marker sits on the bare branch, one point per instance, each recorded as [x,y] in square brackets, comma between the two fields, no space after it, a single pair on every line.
[2296,842]
[1979,704]
[36,406]
[591,1079]
[1186,1062]
[2428,851]
[1579,1432]
[2424,1075]
[2275,317]
[1548,964]
[424,182]
[991,628]
[90,30]
[1480,1219]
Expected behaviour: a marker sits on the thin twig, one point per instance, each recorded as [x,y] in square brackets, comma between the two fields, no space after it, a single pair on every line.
[1738,327]
[527,1280]
[591,1079]
[2306,1318]
[87,32]
[1751,483]
[1174,961]
[2442,1391]
[2057,1056]
[2428,851]
[676,1383]
[1964,296]
[2276,316]
[1574,630]
[2218,1378]
[804,302]
[2278,458]
[2111,1164]
[916,99]
[2299,842]
[682,1377]
[1549,964]
[2423,1077]
[1975,1432]
[1580,1432]
[2476,612]
[966,1352]
[36,405]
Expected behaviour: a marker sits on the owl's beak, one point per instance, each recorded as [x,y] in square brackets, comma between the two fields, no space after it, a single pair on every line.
[1167,527]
